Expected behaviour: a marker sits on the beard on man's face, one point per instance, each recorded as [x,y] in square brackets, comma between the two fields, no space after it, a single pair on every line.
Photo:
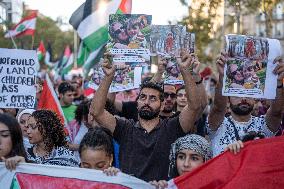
[147,113]
[168,107]
[242,108]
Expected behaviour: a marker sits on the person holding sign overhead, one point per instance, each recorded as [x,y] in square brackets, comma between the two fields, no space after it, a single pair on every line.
[145,145]
[227,130]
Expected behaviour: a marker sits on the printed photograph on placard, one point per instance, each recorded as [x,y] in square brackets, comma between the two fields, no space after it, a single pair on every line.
[167,42]
[124,79]
[129,36]
[246,66]
[188,42]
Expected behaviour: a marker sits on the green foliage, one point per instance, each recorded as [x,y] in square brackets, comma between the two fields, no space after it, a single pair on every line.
[200,21]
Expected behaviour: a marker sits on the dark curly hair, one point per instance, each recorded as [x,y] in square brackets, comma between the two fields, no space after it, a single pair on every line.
[51,129]
[153,85]
[97,138]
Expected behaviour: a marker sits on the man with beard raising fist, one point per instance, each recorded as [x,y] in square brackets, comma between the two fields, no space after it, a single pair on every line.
[227,130]
[145,144]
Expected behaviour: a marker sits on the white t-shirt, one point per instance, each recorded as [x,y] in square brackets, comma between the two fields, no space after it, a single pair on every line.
[225,134]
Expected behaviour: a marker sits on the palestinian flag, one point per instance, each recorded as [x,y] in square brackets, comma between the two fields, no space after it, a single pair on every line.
[48,58]
[41,51]
[64,59]
[49,100]
[91,22]
[25,27]
[69,65]
[28,175]
[260,164]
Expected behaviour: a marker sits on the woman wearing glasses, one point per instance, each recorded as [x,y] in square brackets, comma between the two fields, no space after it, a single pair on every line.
[46,134]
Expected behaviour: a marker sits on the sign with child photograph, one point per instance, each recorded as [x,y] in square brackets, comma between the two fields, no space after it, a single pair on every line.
[167,42]
[17,78]
[129,38]
[124,79]
[248,71]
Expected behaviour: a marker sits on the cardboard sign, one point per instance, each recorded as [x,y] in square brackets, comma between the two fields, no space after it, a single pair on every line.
[17,78]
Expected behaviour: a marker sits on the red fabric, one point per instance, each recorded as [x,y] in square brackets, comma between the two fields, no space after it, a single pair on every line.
[49,101]
[33,14]
[125,6]
[260,164]
[67,51]
[41,48]
[206,72]
[27,181]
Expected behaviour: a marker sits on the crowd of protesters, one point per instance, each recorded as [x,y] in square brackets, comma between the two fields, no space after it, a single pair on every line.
[155,133]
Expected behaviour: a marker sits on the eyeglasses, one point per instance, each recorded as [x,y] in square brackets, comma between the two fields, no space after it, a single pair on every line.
[118,31]
[172,95]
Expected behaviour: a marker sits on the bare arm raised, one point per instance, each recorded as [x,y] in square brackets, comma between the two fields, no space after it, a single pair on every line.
[162,63]
[273,115]
[97,108]
[217,113]
[189,114]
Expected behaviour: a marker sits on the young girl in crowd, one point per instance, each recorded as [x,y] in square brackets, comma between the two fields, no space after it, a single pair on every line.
[45,132]
[96,151]
[22,118]
[12,150]
[187,153]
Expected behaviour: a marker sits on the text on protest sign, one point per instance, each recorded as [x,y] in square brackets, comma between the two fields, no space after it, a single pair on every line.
[17,78]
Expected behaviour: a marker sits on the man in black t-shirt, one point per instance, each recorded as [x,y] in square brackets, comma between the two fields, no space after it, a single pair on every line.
[145,144]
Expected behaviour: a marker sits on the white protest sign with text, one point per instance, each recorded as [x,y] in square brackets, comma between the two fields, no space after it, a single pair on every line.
[17,78]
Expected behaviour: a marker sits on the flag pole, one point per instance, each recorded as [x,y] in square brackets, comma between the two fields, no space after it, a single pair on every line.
[75,49]
[15,45]
[33,40]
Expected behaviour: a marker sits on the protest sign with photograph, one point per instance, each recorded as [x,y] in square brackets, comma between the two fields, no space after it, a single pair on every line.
[124,79]
[167,42]
[17,78]
[129,38]
[249,66]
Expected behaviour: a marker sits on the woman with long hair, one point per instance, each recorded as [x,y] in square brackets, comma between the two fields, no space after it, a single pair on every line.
[46,134]
[12,150]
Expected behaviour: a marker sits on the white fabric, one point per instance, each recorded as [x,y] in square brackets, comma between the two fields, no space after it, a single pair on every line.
[81,133]
[27,143]
[122,179]
[225,134]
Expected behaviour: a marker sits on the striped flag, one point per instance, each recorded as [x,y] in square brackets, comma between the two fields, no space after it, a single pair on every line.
[48,58]
[41,51]
[28,175]
[49,100]
[260,164]
[69,65]
[63,61]
[91,22]
[26,26]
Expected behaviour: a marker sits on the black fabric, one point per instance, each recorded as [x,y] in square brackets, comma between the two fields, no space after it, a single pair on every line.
[129,110]
[146,155]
